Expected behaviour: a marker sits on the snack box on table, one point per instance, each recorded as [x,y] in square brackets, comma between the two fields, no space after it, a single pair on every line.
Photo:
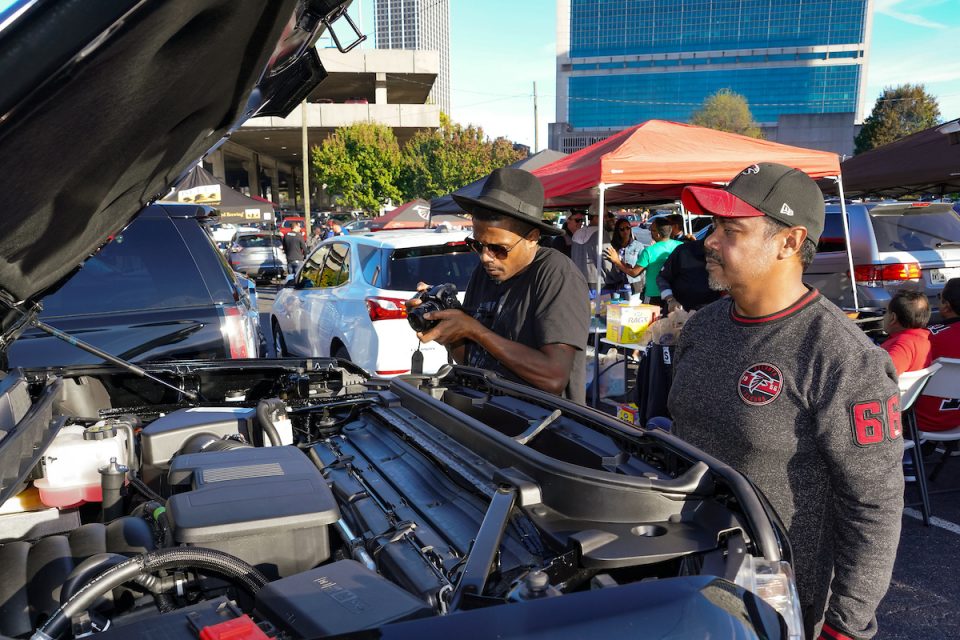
[628,324]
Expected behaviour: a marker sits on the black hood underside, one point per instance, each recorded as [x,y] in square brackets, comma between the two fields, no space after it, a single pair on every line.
[105,105]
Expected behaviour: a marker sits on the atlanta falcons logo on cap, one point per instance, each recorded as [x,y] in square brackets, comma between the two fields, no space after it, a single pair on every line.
[760,384]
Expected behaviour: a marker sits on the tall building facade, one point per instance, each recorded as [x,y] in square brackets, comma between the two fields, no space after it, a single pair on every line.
[420,25]
[620,62]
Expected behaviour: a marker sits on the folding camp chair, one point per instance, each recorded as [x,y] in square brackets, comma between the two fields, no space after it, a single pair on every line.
[912,384]
[944,384]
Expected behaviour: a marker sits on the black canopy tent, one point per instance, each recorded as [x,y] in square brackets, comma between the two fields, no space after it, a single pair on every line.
[925,162]
[199,186]
[446,204]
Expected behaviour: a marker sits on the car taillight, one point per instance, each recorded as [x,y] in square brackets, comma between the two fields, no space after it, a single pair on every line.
[877,274]
[236,331]
[386,308]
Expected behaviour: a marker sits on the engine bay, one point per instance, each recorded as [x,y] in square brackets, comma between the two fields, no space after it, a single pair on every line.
[299,499]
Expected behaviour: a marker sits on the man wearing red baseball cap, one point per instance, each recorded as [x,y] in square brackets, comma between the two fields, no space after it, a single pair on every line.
[775,381]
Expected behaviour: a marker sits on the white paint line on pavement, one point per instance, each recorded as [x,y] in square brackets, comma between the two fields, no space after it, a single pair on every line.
[935,521]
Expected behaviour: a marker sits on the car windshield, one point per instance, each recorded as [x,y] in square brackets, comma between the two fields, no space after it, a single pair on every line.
[401,269]
[147,266]
[258,242]
[912,231]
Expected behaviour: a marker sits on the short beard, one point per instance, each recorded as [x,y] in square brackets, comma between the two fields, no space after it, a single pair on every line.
[716,284]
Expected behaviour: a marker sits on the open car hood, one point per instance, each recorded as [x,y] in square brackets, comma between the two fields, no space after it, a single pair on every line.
[106,104]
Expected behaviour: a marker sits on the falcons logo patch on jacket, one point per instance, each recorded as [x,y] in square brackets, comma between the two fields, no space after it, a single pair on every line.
[760,384]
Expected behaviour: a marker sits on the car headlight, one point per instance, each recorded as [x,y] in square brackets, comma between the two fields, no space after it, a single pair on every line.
[775,584]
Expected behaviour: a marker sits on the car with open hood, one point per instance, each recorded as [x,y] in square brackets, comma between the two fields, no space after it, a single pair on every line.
[300,498]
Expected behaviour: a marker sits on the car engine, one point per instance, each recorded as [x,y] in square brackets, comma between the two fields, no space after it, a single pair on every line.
[300,499]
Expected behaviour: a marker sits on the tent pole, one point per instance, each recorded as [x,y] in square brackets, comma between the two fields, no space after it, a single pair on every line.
[596,336]
[600,220]
[687,225]
[846,232]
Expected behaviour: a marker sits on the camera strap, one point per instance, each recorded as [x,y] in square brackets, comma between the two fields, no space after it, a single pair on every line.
[416,361]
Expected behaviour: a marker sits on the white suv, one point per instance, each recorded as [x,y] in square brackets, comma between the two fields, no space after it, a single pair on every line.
[347,299]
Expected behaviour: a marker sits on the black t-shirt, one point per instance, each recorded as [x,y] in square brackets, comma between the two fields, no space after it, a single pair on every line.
[294,246]
[684,275]
[545,304]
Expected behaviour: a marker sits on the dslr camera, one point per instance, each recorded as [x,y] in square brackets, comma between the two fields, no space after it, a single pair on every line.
[438,298]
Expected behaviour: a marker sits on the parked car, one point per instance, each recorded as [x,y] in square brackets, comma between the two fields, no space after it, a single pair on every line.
[160,290]
[894,244]
[145,502]
[286,225]
[258,256]
[347,301]
[221,232]
[358,226]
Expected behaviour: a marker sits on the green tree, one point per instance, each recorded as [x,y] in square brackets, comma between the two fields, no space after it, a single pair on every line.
[443,160]
[727,111]
[361,163]
[898,112]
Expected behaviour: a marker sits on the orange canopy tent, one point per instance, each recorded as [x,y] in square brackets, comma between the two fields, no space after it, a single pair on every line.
[654,160]
[416,215]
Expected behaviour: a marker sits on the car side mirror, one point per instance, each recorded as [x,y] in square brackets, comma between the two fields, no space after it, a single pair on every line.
[290,281]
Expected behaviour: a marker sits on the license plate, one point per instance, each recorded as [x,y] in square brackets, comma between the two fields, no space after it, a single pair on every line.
[940,276]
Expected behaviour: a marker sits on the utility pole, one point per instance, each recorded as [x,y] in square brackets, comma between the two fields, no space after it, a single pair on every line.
[306,168]
[536,123]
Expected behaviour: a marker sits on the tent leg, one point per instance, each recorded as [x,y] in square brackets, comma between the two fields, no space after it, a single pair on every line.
[596,335]
[687,222]
[846,233]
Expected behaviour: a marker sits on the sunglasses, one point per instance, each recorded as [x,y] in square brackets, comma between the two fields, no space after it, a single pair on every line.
[498,251]
[578,220]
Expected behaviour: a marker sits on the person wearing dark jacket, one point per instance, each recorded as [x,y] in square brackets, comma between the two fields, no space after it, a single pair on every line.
[683,278]
[778,383]
[295,248]
[571,225]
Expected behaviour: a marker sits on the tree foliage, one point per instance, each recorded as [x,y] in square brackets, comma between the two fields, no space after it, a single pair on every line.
[364,164]
[727,111]
[361,163]
[443,160]
[898,112]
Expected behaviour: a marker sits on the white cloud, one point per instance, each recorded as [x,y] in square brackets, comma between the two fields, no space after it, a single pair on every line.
[889,8]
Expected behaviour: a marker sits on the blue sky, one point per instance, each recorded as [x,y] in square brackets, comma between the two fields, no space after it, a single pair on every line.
[500,47]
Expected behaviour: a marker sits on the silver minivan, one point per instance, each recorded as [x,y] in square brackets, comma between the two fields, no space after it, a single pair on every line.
[893,245]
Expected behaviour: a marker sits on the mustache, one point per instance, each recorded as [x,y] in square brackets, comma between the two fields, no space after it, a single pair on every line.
[713,256]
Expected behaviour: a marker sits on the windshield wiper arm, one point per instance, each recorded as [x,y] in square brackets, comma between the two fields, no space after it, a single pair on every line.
[947,244]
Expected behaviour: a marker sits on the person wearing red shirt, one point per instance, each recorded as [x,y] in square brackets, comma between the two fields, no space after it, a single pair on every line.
[906,319]
[942,414]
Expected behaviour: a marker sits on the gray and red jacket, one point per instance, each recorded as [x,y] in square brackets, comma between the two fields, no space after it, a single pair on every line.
[807,407]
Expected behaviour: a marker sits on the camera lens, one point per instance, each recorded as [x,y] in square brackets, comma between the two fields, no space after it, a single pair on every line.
[415,317]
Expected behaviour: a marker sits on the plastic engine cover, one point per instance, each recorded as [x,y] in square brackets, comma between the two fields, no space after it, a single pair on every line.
[342,597]
[268,506]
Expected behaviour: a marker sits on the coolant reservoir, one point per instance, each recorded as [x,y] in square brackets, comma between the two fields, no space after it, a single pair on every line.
[71,463]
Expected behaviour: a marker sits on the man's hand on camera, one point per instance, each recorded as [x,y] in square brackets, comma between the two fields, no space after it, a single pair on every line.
[455,326]
[413,303]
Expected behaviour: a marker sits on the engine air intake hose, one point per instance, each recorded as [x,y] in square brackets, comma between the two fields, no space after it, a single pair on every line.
[266,410]
[240,573]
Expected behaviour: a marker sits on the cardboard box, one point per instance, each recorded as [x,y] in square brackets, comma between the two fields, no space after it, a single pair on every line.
[628,324]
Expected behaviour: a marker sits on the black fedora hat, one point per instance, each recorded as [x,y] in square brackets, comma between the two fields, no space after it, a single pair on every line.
[515,193]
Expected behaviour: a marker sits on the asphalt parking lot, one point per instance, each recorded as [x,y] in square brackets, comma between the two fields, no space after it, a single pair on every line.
[924,597]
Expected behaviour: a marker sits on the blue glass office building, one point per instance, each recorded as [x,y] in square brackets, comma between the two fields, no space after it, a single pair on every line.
[620,62]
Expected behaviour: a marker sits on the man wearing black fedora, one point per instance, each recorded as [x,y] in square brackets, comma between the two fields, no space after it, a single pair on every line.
[526,311]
